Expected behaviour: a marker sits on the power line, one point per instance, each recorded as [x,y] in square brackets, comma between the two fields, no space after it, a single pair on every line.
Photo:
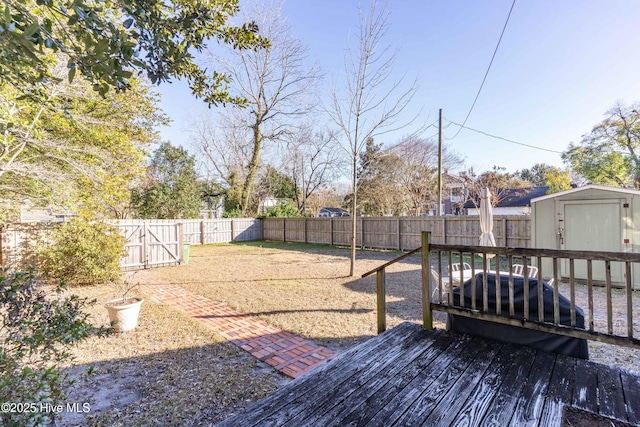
[487,73]
[432,125]
[504,139]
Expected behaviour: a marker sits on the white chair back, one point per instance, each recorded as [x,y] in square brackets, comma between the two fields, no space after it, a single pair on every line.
[446,287]
[519,269]
[458,267]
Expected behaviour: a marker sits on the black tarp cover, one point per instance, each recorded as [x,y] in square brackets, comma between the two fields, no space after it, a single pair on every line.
[541,340]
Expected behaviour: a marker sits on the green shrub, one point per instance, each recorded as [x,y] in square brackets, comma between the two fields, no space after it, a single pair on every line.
[36,331]
[281,210]
[81,252]
[232,213]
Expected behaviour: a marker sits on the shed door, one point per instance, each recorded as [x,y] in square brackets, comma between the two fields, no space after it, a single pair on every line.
[594,226]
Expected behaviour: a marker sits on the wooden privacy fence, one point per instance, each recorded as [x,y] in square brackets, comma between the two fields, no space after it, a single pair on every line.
[150,243]
[155,243]
[158,243]
[399,233]
[17,243]
[224,230]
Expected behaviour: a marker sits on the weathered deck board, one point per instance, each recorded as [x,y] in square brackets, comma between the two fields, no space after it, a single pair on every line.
[560,388]
[466,384]
[531,399]
[501,409]
[486,392]
[432,379]
[357,388]
[610,393]
[408,376]
[585,392]
[290,401]
[446,384]
[369,398]
[631,382]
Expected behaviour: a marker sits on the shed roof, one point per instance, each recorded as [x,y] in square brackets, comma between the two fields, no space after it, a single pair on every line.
[585,188]
[514,197]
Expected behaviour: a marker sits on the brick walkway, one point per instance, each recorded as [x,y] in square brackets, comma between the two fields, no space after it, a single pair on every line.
[288,353]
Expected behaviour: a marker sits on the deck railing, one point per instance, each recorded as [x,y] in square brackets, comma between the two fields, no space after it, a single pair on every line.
[600,283]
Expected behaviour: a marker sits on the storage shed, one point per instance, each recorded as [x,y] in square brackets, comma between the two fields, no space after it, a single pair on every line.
[592,218]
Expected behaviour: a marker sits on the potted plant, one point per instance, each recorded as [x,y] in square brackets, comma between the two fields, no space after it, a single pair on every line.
[124,311]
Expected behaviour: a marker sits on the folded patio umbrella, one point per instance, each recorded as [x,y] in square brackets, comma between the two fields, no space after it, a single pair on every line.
[486,219]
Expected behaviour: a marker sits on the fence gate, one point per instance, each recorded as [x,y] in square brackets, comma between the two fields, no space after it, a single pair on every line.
[151,244]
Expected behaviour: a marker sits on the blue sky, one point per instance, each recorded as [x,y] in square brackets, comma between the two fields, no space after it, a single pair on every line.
[560,66]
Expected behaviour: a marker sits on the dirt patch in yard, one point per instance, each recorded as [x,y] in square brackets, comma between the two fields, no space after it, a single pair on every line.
[170,370]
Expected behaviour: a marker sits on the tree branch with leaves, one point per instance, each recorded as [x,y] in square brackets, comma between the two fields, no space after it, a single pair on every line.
[609,154]
[109,42]
[78,150]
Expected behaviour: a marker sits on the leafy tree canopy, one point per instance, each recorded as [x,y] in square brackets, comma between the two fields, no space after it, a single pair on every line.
[78,150]
[609,154]
[380,188]
[558,180]
[108,41]
[537,174]
[541,175]
[171,189]
[276,184]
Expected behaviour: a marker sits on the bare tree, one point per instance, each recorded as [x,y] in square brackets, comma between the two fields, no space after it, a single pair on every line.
[419,175]
[227,149]
[372,100]
[278,84]
[312,161]
[499,183]
[327,195]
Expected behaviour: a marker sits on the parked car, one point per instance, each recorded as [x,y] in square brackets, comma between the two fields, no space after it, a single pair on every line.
[332,212]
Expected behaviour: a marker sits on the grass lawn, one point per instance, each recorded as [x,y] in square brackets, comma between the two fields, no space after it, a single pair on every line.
[302,288]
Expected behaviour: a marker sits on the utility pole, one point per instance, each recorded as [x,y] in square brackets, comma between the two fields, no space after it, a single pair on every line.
[439,206]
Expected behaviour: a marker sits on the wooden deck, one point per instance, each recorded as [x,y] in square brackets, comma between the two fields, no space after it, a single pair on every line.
[409,376]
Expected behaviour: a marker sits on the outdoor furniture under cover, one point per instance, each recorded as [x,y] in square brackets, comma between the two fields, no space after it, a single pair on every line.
[519,269]
[541,340]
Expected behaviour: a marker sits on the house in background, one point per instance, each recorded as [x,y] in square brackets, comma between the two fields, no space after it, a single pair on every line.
[455,194]
[44,215]
[211,212]
[511,201]
[332,212]
[268,203]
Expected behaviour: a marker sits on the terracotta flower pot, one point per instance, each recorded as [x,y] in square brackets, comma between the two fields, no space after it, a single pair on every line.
[124,314]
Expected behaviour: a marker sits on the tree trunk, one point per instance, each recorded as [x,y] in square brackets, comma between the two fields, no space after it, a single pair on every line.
[253,168]
[352,266]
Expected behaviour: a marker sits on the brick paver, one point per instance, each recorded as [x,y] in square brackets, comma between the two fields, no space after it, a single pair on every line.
[288,353]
